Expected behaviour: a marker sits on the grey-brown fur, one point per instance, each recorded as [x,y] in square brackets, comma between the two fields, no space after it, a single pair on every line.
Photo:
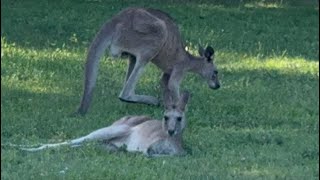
[145,35]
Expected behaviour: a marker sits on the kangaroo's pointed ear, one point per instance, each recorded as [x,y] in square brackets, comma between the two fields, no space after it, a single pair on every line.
[201,50]
[183,101]
[209,52]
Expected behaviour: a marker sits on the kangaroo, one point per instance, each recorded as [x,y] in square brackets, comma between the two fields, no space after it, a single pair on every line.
[146,35]
[141,133]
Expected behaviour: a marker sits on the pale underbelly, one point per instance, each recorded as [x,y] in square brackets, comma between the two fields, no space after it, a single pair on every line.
[137,143]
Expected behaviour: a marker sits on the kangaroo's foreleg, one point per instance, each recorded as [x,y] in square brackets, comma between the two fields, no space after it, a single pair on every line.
[106,133]
[174,84]
[164,84]
[128,92]
[163,148]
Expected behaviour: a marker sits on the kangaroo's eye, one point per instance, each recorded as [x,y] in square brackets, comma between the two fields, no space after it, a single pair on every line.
[179,119]
[166,118]
[215,72]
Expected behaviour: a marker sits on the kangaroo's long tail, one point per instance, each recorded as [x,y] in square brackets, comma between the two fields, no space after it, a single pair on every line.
[33,148]
[44,146]
[100,43]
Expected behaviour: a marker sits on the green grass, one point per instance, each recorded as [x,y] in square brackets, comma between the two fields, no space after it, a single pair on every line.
[262,124]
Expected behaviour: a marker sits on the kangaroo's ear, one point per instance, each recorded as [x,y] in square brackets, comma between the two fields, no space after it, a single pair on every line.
[183,101]
[201,50]
[209,52]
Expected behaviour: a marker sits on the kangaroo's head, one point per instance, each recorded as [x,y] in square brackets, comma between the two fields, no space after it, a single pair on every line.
[174,120]
[208,69]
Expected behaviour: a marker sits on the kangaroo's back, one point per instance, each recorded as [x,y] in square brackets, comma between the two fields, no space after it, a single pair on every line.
[172,51]
[174,35]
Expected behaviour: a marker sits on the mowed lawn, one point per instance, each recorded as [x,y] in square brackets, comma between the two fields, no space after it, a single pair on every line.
[261,124]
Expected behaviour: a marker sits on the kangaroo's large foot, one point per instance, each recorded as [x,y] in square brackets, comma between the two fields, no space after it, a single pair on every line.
[143,99]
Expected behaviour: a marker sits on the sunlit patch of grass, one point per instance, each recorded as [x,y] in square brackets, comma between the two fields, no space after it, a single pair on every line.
[263,5]
[34,86]
[255,173]
[283,65]
[39,79]
[10,50]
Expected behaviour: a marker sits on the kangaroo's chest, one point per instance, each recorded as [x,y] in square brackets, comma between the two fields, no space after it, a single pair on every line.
[138,142]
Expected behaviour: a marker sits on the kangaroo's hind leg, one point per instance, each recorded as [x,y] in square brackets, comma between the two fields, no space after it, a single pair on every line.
[106,133]
[128,92]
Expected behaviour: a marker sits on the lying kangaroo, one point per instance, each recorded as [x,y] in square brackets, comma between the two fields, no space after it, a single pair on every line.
[141,133]
[146,35]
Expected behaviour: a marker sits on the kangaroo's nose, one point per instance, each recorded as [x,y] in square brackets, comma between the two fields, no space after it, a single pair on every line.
[170,132]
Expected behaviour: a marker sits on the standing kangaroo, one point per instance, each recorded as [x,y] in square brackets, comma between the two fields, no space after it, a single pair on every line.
[146,35]
[141,133]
